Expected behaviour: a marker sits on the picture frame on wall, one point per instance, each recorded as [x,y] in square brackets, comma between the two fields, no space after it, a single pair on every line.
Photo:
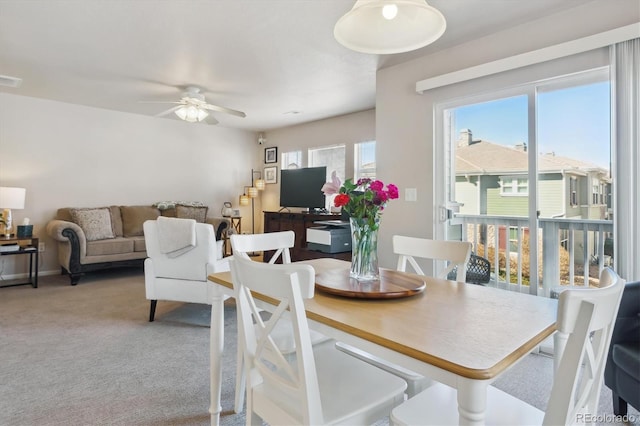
[271,174]
[271,155]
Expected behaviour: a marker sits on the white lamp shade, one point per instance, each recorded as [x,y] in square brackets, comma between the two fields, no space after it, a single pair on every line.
[376,26]
[12,198]
[259,183]
[252,192]
[244,200]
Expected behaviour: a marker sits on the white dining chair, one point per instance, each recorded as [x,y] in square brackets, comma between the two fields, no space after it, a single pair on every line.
[280,242]
[587,316]
[314,385]
[408,248]
[457,253]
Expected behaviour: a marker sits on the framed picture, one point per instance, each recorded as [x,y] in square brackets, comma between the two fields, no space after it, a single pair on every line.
[271,174]
[271,155]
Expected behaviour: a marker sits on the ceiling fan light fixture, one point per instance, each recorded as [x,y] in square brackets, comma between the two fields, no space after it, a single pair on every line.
[389,26]
[191,113]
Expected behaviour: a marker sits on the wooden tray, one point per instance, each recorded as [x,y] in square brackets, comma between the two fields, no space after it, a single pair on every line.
[391,285]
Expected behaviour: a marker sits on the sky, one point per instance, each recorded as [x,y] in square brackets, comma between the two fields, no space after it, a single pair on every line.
[572,122]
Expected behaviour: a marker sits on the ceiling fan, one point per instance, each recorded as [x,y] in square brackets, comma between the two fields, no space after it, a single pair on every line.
[193,107]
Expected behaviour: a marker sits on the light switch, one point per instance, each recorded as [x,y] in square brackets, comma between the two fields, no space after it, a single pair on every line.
[411,194]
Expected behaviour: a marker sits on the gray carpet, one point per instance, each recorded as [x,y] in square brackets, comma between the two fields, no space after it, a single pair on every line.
[87,355]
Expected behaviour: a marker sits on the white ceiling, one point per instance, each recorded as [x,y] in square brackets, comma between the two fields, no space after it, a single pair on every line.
[276,60]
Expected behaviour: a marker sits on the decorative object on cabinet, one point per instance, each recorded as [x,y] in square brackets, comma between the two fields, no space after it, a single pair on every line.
[227,210]
[10,198]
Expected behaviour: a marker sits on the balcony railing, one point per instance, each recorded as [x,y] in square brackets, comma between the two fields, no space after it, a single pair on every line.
[570,251]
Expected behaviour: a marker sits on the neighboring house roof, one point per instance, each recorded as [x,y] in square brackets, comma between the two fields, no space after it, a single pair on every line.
[486,158]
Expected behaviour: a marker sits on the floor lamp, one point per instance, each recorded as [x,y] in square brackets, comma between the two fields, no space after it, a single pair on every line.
[251,192]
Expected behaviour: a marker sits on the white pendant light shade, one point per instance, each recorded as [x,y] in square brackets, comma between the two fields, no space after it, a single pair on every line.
[389,26]
[244,200]
[259,184]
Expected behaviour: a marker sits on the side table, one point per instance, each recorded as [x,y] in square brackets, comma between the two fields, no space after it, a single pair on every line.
[236,228]
[26,246]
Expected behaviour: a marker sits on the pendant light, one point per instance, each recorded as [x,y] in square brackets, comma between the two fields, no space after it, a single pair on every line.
[389,26]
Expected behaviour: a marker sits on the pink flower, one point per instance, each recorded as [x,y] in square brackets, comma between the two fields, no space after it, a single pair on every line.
[392,191]
[381,197]
[376,185]
[332,187]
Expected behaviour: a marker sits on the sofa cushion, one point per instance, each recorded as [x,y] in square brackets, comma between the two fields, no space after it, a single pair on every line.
[107,247]
[198,213]
[134,216]
[116,221]
[139,244]
[95,222]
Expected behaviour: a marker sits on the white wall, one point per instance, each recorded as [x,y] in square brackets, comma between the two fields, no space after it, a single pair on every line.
[74,156]
[404,119]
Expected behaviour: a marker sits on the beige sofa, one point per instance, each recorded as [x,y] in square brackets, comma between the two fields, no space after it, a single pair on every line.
[91,239]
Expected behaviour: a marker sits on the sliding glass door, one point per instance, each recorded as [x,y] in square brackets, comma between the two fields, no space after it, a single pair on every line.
[526,179]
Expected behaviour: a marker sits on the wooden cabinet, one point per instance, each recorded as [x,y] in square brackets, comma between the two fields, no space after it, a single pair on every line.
[298,223]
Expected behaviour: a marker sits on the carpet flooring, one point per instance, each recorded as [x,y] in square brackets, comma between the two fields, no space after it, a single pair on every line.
[87,355]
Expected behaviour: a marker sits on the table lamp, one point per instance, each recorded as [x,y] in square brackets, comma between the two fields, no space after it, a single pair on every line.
[10,198]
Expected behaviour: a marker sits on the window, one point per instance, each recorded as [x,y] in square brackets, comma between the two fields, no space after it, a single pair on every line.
[573,191]
[595,191]
[514,186]
[333,157]
[292,160]
[364,160]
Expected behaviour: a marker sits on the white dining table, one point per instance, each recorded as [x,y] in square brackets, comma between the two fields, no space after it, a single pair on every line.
[463,335]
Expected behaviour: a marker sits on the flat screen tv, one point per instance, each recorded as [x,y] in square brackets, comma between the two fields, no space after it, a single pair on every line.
[303,187]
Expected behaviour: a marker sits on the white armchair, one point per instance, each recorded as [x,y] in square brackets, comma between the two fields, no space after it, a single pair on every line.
[182,278]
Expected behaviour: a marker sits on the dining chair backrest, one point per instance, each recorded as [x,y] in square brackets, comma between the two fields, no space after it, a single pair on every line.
[291,284]
[586,316]
[457,253]
[281,242]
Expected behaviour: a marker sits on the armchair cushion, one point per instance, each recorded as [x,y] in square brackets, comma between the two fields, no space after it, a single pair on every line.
[627,358]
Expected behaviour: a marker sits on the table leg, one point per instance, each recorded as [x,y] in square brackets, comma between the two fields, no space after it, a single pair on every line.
[216,346]
[472,401]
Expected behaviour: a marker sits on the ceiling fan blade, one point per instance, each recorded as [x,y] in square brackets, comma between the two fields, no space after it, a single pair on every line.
[169,111]
[159,102]
[211,120]
[225,110]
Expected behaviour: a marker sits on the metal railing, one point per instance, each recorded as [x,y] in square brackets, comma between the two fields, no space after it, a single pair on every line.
[571,251]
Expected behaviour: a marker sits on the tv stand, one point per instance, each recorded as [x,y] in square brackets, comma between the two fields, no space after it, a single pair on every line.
[298,223]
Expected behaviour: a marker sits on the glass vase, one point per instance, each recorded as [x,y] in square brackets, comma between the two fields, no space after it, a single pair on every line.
[364,249]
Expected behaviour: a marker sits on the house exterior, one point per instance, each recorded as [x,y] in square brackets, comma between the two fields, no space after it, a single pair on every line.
[492,179]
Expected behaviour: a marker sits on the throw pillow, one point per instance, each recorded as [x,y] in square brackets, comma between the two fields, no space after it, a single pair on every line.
[199,214]
[96,223]
[134,216]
